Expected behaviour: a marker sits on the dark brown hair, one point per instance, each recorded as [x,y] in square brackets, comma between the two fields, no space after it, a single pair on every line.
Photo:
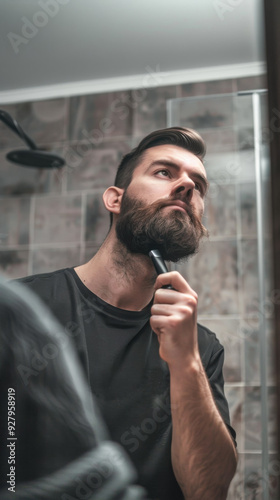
[178,136]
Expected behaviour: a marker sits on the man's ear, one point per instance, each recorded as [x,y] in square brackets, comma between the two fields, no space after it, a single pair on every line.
[112,199]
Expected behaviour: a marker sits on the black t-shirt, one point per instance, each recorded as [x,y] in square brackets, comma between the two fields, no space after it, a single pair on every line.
[119,353]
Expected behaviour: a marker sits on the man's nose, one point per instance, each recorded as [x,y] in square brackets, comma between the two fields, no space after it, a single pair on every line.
[185,186]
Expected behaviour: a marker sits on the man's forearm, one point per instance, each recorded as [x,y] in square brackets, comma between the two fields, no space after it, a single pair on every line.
[203,454]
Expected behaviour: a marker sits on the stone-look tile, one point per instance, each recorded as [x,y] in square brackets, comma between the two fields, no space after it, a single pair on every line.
[97,220]
[251,83]
[97,168]
[57,219]
[235,399]
[219,140]
[273,476]
[220,212]
[221,169]
[243,111]
[250,280]
[212,273]
[253,487]
[244,120]
[228,167]
[253,418]
[252,352]
[248,209]
[246,140]
[56,180]
[258,484]
[44,260]
[205,112]
[18,180]
[227,331]
[14,221]
[249,277]
[100,116]
[44,121]
[150,113]
[13,263]
[208,88]
[272,419]
[245,167]
[91,167]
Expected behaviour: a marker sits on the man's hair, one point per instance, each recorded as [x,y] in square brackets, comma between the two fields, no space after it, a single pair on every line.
[177,136]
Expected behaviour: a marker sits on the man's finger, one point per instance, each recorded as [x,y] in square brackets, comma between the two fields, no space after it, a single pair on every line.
[163,309]
[174,279]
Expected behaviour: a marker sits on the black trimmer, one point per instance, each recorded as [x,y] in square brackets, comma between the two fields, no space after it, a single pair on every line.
[159,264]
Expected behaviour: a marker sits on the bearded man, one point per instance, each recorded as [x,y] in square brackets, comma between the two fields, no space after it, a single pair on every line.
[155,373]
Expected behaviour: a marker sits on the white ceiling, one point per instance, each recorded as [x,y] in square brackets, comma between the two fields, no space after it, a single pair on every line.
[68,42]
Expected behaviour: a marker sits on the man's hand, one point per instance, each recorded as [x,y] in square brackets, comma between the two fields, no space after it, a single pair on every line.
[174,320]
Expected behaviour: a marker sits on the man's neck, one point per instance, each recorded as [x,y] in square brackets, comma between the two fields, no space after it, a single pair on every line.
[118,277]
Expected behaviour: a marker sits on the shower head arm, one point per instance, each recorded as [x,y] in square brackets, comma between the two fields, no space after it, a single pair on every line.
[17,129]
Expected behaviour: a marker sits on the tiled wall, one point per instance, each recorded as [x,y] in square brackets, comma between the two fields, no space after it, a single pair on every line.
[51,220]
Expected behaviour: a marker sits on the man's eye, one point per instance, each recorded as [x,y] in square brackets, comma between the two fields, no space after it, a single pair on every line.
[198,187]
[163,172]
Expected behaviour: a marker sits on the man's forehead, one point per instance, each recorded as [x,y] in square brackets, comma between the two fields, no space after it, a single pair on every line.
[173,154]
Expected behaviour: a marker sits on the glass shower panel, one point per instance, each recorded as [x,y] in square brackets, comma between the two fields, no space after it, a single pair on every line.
[231,273]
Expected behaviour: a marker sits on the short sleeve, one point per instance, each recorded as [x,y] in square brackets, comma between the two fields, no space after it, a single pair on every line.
[212,355]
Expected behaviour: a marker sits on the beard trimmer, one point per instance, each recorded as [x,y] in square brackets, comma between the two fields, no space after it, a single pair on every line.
[159,264]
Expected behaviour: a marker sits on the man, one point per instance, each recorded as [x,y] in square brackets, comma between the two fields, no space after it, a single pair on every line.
[148,362]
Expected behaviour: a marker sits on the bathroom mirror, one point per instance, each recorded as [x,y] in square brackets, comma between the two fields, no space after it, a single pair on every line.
[88,80]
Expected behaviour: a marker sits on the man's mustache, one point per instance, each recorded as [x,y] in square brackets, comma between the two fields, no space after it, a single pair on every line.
[165,202]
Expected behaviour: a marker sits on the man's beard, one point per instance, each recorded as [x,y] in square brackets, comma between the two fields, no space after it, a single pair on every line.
[142,228]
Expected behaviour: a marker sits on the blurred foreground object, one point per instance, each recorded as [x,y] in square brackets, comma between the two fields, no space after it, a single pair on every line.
[54,444]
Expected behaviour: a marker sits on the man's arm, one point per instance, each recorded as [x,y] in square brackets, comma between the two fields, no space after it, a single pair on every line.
[203,454]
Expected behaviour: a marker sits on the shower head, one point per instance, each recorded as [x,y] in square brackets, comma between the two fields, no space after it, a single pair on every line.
[32,157]
[35,158]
